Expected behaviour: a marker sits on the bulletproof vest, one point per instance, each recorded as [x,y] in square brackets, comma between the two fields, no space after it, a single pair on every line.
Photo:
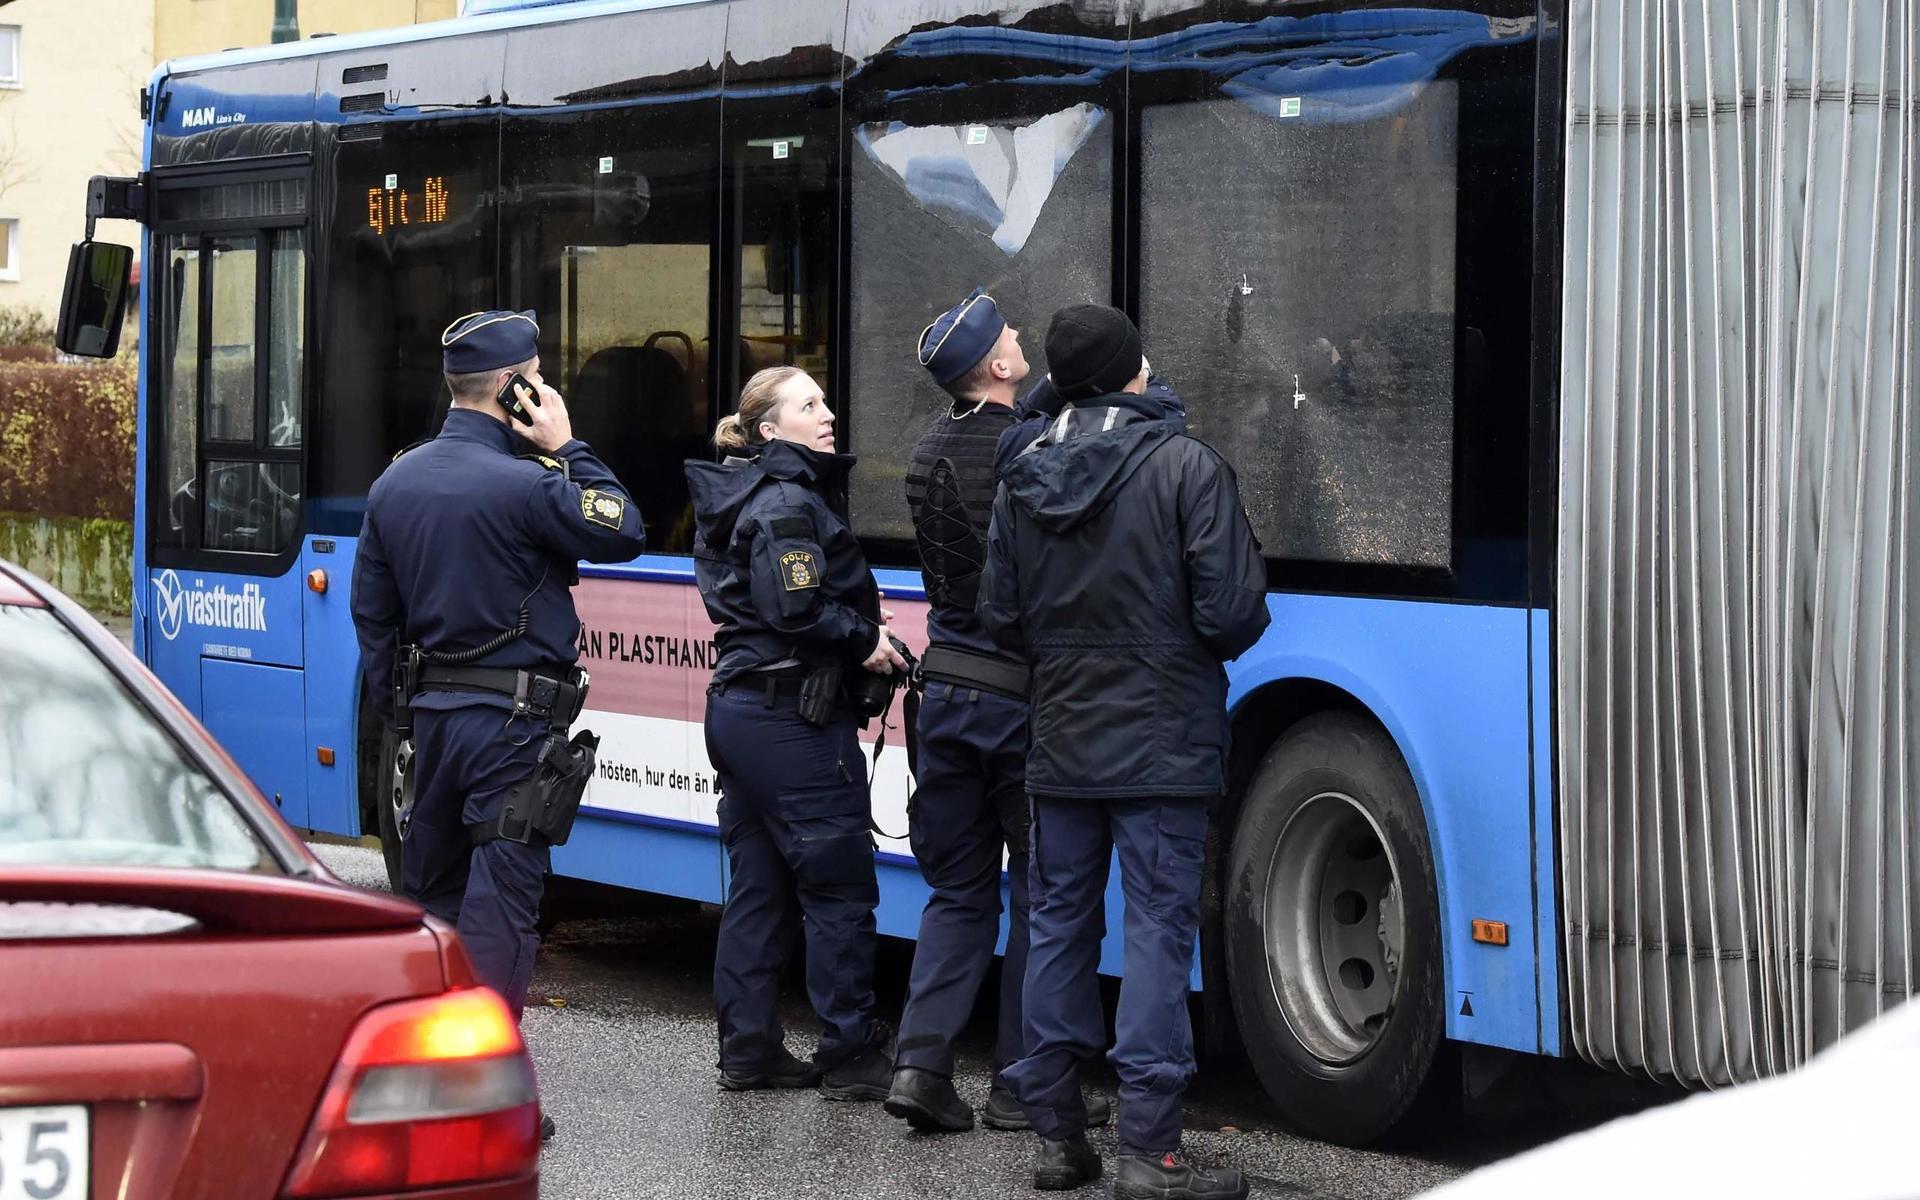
[950,487]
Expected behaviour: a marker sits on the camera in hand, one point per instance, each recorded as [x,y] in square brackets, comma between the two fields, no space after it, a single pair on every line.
[869,694]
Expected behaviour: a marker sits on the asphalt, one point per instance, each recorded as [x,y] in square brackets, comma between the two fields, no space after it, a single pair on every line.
[621,1030]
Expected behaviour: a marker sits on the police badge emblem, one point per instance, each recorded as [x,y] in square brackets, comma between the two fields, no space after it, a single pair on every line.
[797,570]
[602,508]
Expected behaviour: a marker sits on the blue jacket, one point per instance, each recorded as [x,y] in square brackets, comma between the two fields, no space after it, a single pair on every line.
[779,567]
[461,532]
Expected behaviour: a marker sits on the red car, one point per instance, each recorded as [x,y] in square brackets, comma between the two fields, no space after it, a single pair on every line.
[190,1005]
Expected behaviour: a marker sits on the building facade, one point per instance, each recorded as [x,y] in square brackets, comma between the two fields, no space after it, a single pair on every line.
[182,28]
[59,126]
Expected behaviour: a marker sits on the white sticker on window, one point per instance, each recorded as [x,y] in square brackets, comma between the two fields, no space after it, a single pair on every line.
[976,135]
[393,181]
[606,165]
[780,149]
[1290,106]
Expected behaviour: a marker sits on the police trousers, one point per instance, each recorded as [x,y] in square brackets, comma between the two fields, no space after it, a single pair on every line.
[794,817]
[968,808]
[465,760]
[1160,845]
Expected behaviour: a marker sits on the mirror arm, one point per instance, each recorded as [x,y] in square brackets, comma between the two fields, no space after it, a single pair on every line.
[116,198]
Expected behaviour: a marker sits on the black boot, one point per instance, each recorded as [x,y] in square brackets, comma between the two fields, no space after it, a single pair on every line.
[928,1102]
[785,1071]
[1004,1112]
[1172,1177]
[868,1075]
[1060,1166]
[547,1129]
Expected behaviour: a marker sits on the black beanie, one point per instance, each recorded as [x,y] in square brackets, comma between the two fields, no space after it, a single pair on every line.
[1092,350]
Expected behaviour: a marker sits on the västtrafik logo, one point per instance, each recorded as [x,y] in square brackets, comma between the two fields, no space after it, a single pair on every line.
[214,608]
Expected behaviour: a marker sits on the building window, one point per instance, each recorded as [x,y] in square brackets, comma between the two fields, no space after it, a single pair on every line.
[10,249]
[9,56]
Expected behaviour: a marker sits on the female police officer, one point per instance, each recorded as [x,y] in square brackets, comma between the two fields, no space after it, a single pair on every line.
[784,579]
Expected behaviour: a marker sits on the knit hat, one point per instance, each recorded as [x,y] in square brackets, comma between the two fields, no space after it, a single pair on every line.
[1092,350]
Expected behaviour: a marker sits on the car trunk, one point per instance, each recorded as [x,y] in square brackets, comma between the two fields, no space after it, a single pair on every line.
[175,1028]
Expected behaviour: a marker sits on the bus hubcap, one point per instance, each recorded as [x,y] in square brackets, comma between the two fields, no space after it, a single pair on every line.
[1334,928]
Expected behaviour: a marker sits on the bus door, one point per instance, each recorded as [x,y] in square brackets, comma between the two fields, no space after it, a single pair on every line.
[226,383]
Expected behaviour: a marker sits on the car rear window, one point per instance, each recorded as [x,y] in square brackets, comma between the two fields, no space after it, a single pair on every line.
[87,774]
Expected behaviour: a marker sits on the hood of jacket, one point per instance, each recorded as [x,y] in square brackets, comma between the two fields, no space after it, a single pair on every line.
[720,491]
[1076,467]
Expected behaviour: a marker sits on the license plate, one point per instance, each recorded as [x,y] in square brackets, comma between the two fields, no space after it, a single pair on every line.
[44,1153]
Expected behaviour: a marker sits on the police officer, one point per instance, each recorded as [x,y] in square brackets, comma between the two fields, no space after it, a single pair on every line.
[468,553]
[799,617]
[970,803]
[1121,564]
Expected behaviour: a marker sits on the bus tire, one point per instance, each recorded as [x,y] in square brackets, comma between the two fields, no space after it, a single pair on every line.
[388,819]
[1333,932]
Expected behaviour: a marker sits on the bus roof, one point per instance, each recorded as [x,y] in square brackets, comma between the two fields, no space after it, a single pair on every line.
[492,16]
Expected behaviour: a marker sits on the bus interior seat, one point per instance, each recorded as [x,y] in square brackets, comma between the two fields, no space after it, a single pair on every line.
[634,405]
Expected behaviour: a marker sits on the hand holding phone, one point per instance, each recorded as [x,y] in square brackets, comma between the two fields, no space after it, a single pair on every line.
[515,395]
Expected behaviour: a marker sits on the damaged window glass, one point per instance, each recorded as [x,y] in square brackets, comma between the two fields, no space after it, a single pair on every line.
[1020,207]
[1298,289]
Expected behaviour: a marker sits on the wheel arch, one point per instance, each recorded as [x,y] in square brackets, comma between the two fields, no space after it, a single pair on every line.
[1260,714]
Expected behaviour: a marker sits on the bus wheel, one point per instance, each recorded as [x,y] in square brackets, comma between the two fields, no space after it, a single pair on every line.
[383,804]
[1333,932]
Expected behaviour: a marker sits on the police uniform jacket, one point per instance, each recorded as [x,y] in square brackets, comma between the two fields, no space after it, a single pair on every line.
[1122,565]
[777,562]
[461,531]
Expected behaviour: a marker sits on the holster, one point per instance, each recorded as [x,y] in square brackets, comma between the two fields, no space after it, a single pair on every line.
[821,702]
[406,684]
[545,803]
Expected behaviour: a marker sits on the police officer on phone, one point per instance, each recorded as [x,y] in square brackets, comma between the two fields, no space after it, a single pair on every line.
[970,800]
[462,598]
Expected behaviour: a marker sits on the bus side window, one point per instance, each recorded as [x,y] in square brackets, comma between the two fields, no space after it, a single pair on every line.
[609,227]
[1028,215]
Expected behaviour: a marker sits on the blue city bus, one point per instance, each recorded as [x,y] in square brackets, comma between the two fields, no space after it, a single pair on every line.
[1496,350]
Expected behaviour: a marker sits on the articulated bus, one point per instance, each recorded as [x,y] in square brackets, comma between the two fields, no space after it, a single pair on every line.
[1564,349]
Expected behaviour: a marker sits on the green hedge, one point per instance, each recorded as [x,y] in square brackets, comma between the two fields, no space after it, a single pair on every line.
[66,439]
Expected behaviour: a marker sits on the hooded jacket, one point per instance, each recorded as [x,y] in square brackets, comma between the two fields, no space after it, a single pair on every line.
[1123,567]
[778,566]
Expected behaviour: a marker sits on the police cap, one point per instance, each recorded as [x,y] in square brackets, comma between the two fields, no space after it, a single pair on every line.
[488,341]
[961,336]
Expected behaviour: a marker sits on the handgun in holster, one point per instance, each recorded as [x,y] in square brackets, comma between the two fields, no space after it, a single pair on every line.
[546,802]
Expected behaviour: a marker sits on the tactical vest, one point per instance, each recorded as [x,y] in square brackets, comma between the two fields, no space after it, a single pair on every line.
[950,488]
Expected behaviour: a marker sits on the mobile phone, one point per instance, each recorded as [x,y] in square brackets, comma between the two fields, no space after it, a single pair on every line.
[509,398]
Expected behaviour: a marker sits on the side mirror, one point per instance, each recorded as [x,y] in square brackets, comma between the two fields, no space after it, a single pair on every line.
[94,304]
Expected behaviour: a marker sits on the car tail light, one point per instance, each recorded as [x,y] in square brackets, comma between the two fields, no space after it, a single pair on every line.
[427,1093]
